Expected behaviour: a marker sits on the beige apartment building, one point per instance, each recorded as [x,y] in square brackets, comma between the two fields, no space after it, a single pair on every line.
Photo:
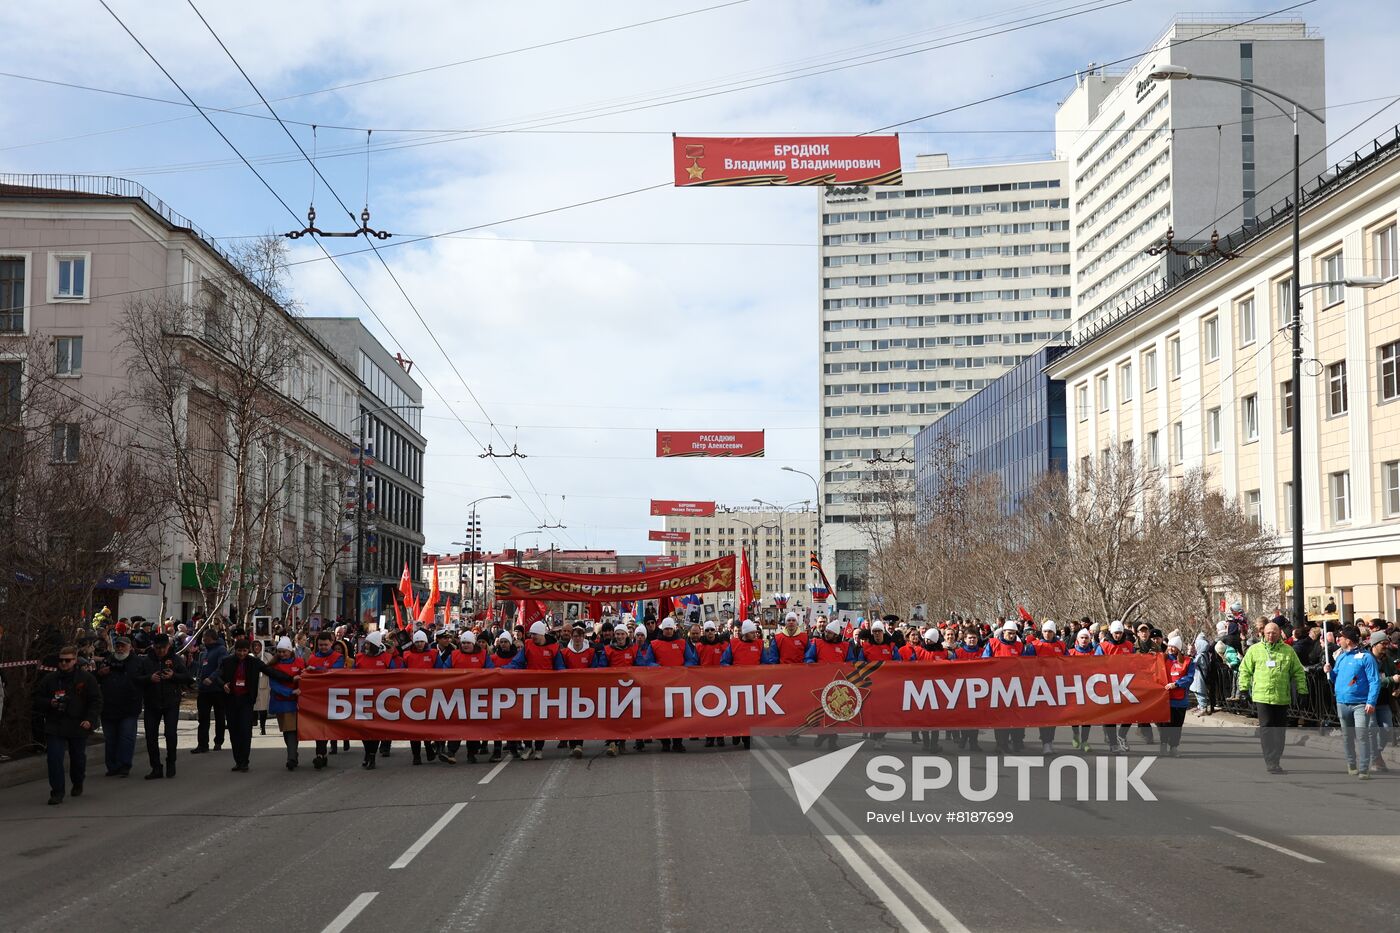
[779,546]
[1200,376]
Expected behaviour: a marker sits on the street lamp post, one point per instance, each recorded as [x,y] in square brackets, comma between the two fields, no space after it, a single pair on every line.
[360,500]
[782,553]
[821,555]
[473,537]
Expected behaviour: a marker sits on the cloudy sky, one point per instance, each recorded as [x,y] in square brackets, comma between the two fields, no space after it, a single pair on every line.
[581,330]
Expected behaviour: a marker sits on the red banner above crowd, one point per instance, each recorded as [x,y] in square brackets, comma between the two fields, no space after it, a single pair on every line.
[674,702]
[682,507]
[709,444]
[523,583]
[655,535]
[790,160]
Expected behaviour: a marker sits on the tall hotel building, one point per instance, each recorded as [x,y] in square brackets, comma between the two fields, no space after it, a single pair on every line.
[929,291]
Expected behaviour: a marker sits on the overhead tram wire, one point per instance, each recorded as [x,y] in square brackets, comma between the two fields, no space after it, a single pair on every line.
[295,216]
[398,284]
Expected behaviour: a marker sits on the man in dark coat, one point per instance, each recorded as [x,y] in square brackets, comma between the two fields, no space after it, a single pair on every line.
[164,675]
[70,702]
[120,675]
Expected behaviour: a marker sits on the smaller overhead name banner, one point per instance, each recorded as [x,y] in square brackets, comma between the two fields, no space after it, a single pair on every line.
[682,507]
[704,161]
[681,536]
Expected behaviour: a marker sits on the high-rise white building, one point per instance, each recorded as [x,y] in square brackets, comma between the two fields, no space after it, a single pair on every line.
[929,291]
[1146,156]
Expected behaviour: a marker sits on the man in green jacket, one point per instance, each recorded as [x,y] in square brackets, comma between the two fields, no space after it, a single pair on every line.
[1267,672]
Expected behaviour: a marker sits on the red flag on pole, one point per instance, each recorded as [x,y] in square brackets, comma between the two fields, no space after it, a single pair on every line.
[425,614]
[398,616]
[745,586]
[406,589]
[1024,613]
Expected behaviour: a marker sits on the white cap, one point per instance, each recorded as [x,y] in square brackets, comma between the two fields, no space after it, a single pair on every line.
[1222,627]
[640,632]
[284,644]
[790,617]
[504,636]
[877,626]
[539,628]
[469,638]
[1010,626]
[668,622]
[748,628]
[711,626]
[1115,626]
[420,636]
[933,636]
[1236,607]
[834,627]
[376,639]
[1048,625]
[1174,642]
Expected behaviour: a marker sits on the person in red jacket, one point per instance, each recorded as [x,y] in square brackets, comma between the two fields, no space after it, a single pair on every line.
[419,658]
[668,649]
[709,652]
[790,643]
[326,657]
[503,652]
[540,653]
[927,648]
[374,657]
[1083,647]
[832,648]
[469,657]
[875,644]
[746,650]
[624,651]
[1117,642]
[577,654]
[1048,645]
[970,648]
[1008,644]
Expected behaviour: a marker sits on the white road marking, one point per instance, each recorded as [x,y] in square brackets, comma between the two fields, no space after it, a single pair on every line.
[490,775]
[348,915]
[868,875]
[423,840]
[1269,845]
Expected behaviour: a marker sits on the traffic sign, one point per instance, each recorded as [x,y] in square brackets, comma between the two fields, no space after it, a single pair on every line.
[293,594]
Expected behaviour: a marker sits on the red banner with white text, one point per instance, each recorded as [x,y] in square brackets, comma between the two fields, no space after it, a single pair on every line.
[680,536]
[524,583]
[672,702]
[682,507]
[709,443]
[702,161]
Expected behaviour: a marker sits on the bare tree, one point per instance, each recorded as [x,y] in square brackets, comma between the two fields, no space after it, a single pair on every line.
[79,501]
[220,377]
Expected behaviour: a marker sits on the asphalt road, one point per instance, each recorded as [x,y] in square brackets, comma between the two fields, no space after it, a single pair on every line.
[666,842]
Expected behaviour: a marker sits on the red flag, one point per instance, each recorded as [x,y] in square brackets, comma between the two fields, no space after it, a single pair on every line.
[745,585]
[1025,616]
[398,616]
[406,587]
[425,614]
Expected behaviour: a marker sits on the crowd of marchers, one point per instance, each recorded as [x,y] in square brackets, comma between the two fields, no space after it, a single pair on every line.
[114,679]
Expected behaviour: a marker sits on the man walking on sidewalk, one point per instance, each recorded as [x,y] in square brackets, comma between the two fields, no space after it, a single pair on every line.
[164,675]
[1357,686]
[1268,671]
[210,702]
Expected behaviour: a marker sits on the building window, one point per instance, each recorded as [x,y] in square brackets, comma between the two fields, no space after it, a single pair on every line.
[1103,392]
[1383,252]
[1154,454]
[1244,314]
[1125,382]
[1149,370]
[1337,389]
[1249,417]
[68,279]
[1210,339]
[11,295]
[1174,356]
[1288,407]
[1390,487]
[1332,272]
[65,443]
[1390,371]
[1082,397]
[1213,431]
[1284,305]
[1086,464]
[1287,506]
[1340,486]
[1178,444]
[69,351]
[11,390]
[1254,508]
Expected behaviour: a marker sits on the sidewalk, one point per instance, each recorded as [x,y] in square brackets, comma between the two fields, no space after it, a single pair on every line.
[1302,736]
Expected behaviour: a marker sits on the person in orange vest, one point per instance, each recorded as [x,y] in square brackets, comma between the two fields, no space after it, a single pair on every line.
[790,643]
[970,648]
[374,657]
[926,648]
[502,653]
[579,653]
[1048,645]
[324,658]
[875,644]
[668,649]
[1008,644]
[746,649]
[540,653]
[709,652]
[832,648]
[419,658]
[1117,642]
[624,651]
[1181,670]
[469,657]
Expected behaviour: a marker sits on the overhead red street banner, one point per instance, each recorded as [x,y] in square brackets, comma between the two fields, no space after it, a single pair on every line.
[524,583]
[675,702]
[682,507]
[655,535]
[709,443]
[786,160]
[660,560]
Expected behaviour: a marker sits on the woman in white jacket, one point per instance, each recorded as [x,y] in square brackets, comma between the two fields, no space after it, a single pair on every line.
[264,688]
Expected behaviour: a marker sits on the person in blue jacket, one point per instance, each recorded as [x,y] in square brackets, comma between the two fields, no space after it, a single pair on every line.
[1356,683]
[1181,670]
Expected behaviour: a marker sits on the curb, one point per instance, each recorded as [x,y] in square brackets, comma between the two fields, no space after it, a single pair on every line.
[1300,736]
[36,767]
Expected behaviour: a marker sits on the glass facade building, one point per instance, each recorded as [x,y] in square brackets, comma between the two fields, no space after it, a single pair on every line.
[1013,429]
